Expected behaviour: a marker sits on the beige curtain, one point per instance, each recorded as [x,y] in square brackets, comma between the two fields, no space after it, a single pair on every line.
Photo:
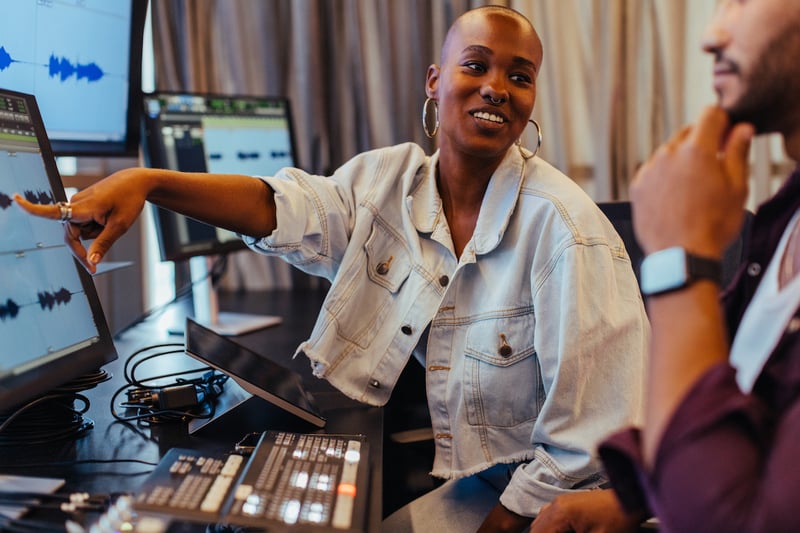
[354,70]
[619,76]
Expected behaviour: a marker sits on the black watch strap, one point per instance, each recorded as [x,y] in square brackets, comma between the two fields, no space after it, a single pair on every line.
[674,268]
[704,268]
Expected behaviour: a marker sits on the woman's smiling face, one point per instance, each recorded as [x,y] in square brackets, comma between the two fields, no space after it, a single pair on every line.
[486,83]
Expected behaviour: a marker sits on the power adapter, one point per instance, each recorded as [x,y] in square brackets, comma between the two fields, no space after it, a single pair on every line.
[178,396]
[168,398]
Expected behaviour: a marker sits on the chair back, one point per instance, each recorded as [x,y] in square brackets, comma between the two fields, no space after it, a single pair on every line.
[620,215]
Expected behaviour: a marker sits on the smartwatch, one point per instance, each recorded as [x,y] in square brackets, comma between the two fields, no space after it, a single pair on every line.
[674,268]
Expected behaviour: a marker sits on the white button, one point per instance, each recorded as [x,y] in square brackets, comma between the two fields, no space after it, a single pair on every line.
[753,269]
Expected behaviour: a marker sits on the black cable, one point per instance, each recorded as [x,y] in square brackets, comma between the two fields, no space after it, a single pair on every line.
[144,399]
[45,419]
[128,372]
[52,416]
[80,462]
[116,461]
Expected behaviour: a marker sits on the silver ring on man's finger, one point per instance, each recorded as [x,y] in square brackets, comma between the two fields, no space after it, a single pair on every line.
[65,210]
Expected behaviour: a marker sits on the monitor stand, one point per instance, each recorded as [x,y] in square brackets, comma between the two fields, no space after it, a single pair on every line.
[206,305]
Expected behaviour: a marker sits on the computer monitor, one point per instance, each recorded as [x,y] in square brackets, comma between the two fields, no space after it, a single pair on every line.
[83,62]
[212,133]
[229,134]
[52,327]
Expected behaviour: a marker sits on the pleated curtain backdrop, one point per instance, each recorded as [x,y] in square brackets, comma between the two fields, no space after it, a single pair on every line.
[619,76]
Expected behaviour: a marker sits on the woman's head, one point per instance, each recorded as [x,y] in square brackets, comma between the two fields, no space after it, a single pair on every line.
[485,84]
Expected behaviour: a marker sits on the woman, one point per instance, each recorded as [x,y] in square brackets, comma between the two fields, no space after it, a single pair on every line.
[493,268]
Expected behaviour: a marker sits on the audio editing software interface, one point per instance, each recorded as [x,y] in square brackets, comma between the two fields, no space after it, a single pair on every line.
[43,308]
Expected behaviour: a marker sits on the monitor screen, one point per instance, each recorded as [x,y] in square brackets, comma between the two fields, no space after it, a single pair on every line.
[247,135]
[51,324]
[83,61]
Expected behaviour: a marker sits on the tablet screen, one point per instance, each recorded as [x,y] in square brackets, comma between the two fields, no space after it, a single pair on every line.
[258,375]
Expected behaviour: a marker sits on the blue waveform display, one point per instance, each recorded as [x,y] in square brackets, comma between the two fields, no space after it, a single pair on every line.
[10,309]
[5,59]
[5,201]
[39,197]
[48,300]
[247,155]
[64,69]
[59,67]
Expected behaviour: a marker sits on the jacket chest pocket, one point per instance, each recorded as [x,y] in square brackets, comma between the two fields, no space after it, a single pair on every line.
[369,286]
[502,381]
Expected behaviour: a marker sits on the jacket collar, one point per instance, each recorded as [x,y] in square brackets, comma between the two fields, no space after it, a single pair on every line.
[425,204]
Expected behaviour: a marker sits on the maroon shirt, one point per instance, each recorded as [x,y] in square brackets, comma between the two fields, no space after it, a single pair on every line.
[728,461]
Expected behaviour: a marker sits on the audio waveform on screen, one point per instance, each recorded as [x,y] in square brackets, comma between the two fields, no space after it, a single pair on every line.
[39,197]
[64,69]
[5,201]
[10,309]
[5,59]
[244,156]
[60,68]
[48,300]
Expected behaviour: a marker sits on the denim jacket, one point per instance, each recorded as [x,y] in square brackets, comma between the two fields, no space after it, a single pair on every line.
[535,336]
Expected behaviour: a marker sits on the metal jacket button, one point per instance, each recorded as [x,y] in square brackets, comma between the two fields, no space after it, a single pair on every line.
[443,281]
[375,384]
[505,350]
[383,268]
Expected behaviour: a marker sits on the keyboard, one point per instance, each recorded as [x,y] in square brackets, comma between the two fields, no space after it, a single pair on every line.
[310,482]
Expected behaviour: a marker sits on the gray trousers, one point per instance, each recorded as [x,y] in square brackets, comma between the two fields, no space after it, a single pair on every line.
[457,506]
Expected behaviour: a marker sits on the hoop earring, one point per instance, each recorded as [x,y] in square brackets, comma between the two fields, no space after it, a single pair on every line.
[538,136]
[425,106]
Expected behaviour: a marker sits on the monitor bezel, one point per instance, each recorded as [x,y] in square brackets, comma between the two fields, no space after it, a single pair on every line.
[128,147]
[18,388]
[277,384]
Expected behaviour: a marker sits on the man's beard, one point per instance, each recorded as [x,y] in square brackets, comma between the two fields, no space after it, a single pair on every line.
[771,102]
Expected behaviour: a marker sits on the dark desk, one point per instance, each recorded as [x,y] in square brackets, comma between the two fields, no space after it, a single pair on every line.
[112,441]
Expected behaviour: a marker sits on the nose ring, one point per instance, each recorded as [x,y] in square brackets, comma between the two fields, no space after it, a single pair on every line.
[494,100]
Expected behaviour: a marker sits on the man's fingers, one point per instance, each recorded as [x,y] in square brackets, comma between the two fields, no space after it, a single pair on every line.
[682,134]
[737,148]
[710,128]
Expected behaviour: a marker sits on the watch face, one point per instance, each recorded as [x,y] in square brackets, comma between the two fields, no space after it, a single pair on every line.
[663,271]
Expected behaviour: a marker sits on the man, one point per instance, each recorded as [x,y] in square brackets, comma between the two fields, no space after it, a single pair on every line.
[718,448]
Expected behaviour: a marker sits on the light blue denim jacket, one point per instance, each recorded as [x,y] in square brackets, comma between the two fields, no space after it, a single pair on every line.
[537,335]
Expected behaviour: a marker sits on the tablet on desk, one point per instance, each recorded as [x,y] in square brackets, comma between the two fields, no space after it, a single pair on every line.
[252,374]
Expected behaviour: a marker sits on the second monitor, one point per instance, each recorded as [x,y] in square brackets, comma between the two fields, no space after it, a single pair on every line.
[190,132]
[212,133]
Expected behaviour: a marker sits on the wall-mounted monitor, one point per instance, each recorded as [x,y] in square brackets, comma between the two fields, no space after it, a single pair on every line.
[82,59]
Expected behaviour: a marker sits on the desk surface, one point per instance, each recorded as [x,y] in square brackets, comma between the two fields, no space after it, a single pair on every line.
[117,442]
